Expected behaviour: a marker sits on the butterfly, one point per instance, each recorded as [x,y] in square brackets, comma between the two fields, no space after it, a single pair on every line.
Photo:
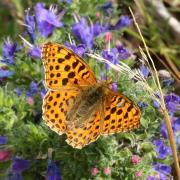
[78,105]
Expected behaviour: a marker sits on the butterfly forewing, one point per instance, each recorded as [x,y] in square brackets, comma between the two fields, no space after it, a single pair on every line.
[64,68]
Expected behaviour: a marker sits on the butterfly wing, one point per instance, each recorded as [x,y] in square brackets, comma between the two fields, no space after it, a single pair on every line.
[80,137]
[121,114]
[64,68]
[56,104]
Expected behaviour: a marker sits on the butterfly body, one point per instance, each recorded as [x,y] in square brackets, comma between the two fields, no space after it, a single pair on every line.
[86,104]
[78,105]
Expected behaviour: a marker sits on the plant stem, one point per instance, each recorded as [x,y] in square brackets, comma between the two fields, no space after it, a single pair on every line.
[163,106]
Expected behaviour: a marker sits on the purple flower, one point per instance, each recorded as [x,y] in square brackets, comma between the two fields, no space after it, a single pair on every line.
[3,140]
[114,86]
[18,91]
[15,176]
[43,93]
[19,165]
[35,52]
[151,178]
[162,150]
[156,104]
[102,75]
[123,52]
[83,32]
[53,171]
[175,126]
[47,20]
[142,104]
[5,73]
[115,54]
[79,49]
[86,33]
[162,168]
[145,71]
[33,89]
[172,102]
[122,22]
[112,55]
[98,29]
[30,25]
[9,49]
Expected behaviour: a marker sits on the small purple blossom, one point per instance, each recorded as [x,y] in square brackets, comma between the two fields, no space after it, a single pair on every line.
[172,102]
[114,86]
[123,52]
[9,49]
[19,165]
[124,21]
[3,140]
[53,171]
[83,32]
[98,29]
[156,104]
[115,54]
[162,150]
[30,25]
[33,89]
[162,168]
[151,178]
[5,73]
[79,49]
[102,75]
[112,55]
[35,52]
[175,126]
[18,91]
[47,20]
[142,104]
[145,71]
[43,93]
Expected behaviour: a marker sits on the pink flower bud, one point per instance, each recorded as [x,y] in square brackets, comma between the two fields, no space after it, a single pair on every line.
[5,155]
[94,171]
[135,159]
[98,14]
[108,37]
[138,174]
[30,101]
[107,171]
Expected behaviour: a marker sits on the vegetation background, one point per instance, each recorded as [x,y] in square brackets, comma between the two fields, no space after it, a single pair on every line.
[29,150]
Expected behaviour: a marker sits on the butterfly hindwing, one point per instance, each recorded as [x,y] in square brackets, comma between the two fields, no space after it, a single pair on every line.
[64,68]
[79,137]
[56,104]
[121,114]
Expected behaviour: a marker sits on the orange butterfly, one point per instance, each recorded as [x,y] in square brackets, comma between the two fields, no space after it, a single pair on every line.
[79,106]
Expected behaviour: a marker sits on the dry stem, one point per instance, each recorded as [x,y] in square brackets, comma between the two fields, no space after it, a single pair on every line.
[163,106]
